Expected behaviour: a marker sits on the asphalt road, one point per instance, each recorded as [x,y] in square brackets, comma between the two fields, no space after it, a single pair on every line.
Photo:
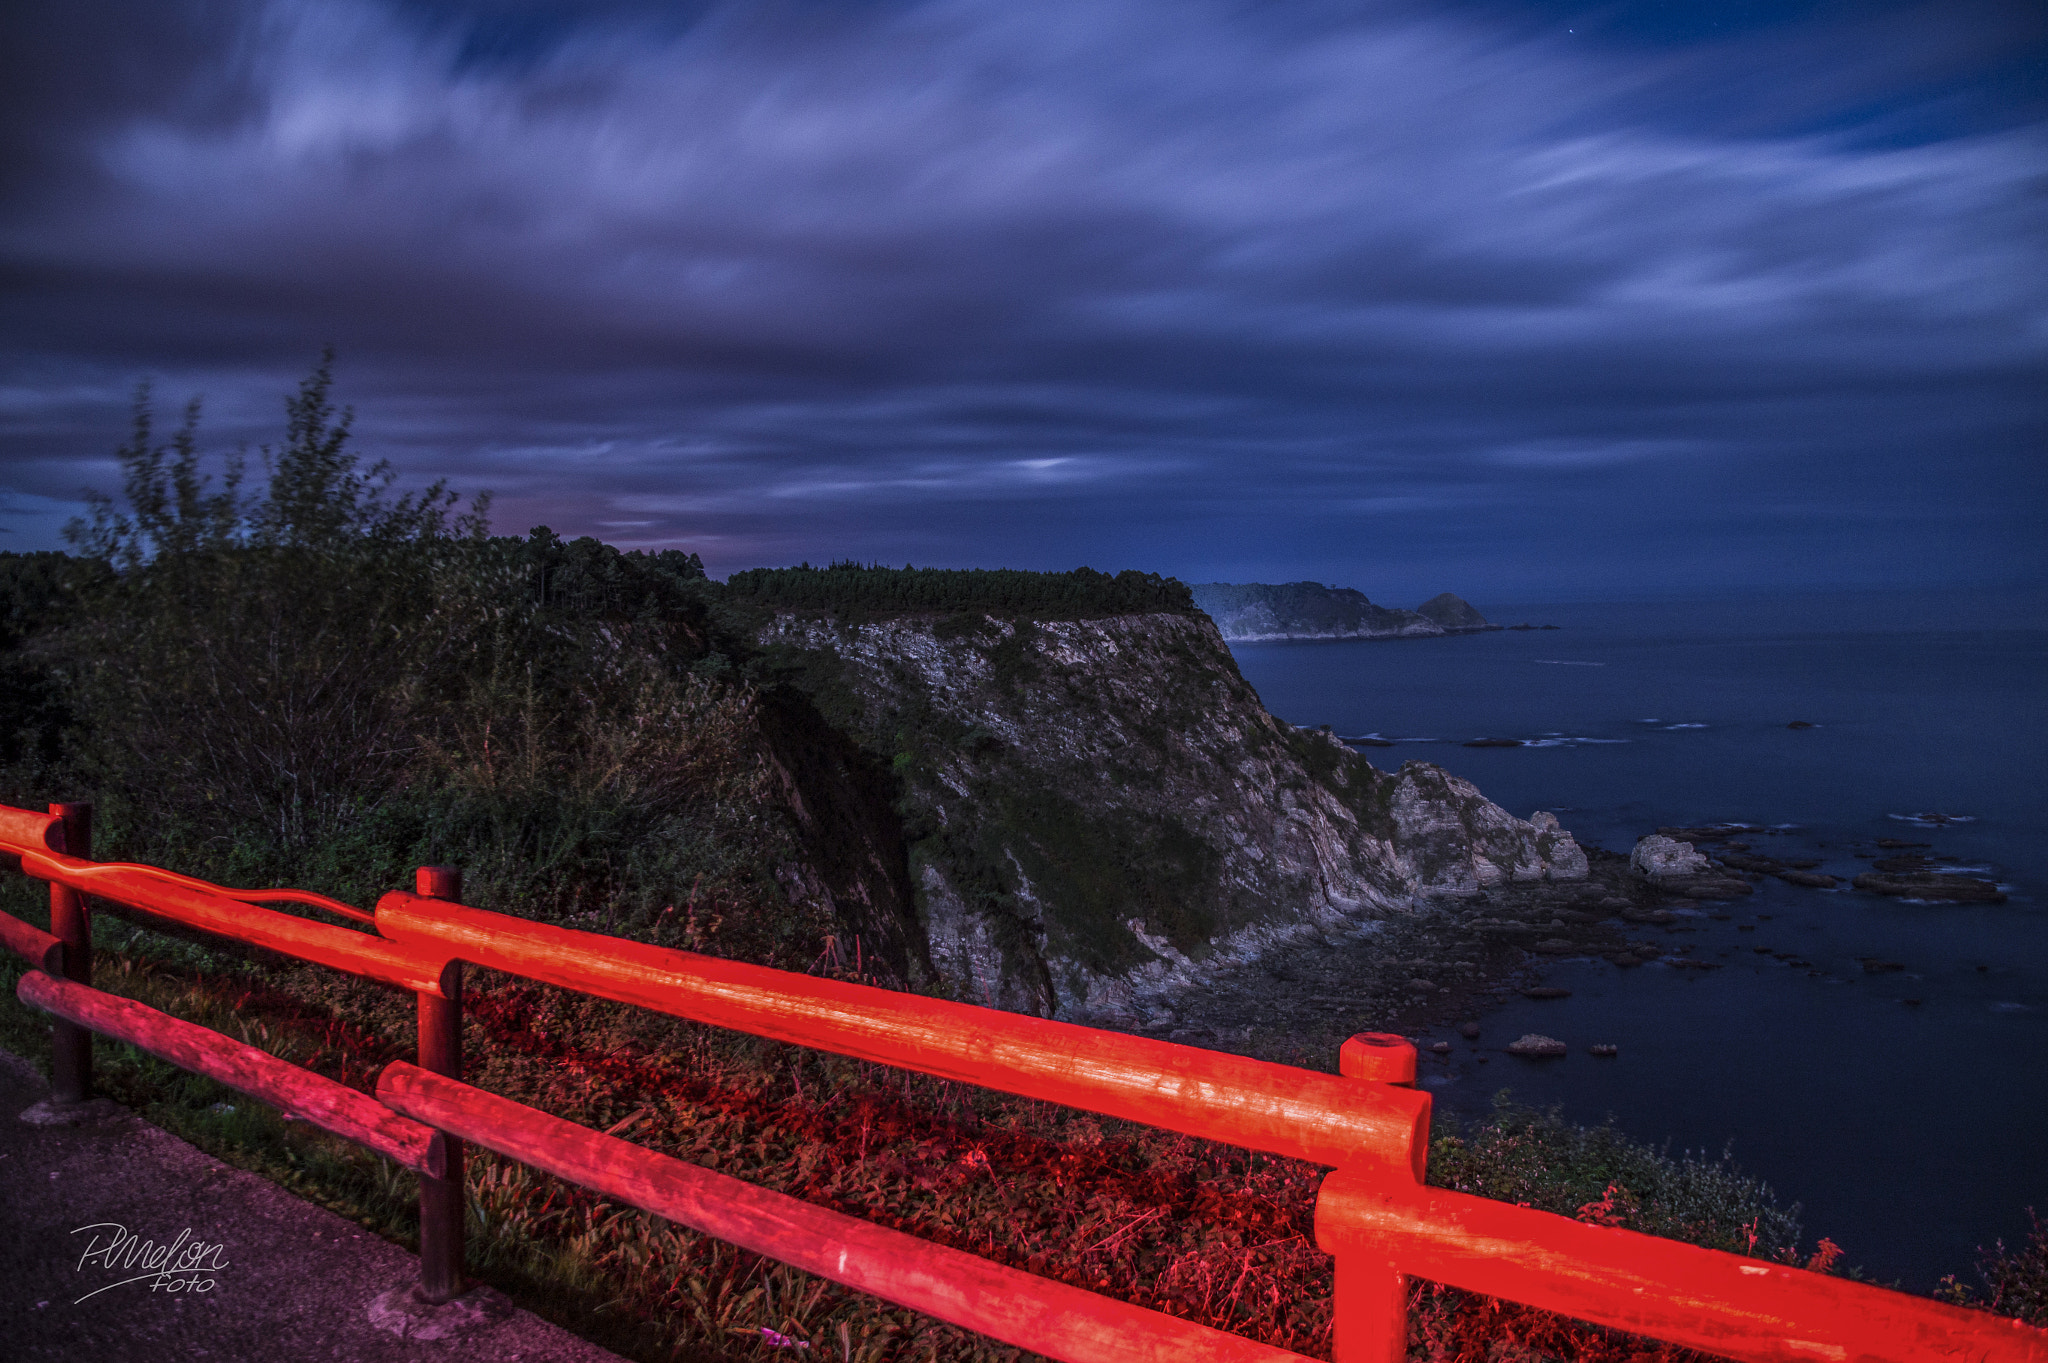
[262,1276]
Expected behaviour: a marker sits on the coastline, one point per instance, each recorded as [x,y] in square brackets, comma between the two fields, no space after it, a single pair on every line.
[1235,639]
[1299,1002]
[1849,1034]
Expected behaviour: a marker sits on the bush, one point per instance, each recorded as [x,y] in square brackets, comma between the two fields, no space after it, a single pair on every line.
[1598,1174]
[315,681]
[2015,1280]
[261,661]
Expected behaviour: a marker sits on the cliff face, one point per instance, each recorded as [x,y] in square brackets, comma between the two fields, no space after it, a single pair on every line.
[1099,811]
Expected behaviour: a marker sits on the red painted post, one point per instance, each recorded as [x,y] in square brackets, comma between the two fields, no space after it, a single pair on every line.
[1371,1298]
[440,1036]
[1383,1057]
[71,1044]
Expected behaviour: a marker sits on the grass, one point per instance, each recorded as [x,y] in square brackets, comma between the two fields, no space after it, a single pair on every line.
[1205,1232]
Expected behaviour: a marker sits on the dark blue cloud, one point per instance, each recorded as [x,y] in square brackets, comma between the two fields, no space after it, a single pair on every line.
[1517,298]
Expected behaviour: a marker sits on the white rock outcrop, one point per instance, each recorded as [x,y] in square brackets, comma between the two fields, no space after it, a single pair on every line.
[1662,858]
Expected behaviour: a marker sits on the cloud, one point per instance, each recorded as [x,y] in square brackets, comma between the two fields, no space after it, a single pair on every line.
[1588,454]
[1118,268]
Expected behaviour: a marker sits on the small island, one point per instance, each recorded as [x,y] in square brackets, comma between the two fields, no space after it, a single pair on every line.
[1256,612]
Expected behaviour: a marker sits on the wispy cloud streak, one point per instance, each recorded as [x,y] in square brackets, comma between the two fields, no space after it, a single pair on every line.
[1244,290]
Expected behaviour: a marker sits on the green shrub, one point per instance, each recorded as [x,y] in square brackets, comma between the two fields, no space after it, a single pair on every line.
[1598,1174]
[2015,1280]
[313,681]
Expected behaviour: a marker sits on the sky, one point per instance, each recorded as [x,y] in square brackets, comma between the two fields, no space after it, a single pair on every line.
[1523,299]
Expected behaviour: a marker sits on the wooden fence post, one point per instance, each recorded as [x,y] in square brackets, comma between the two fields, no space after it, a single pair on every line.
[442,1207]
[1371,1298]
[71,1044]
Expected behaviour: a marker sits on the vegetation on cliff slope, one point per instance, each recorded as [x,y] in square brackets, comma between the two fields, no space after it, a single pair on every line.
[318,682]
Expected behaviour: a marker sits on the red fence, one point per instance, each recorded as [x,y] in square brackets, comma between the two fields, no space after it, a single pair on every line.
[1374,1213]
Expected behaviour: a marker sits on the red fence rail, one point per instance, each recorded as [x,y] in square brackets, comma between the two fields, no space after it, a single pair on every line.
[1374,1213]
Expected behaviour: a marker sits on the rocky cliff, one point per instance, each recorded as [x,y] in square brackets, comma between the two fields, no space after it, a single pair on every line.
[1099,812]
[1453,614]
[1256,612]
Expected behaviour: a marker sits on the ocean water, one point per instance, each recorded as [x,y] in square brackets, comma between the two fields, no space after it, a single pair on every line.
[1910,1132]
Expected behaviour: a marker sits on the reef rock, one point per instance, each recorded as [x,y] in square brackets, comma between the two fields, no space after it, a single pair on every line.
[1662,858]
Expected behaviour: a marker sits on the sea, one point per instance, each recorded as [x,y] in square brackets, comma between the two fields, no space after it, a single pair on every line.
[1905,1111]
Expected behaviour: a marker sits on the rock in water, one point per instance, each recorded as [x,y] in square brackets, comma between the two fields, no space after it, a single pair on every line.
[1536,1044]
[1962,889]
[1662,858]
[1813,880]
[1609,1052]
[1546,991]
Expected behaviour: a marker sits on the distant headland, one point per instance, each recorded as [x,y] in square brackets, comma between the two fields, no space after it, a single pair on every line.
[1255,612]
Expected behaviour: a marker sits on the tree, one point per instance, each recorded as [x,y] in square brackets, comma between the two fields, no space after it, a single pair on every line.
[315,495]
[265,658]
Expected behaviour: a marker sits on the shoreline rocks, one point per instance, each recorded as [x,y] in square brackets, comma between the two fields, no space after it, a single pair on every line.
[1664,858]
[1489,949]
